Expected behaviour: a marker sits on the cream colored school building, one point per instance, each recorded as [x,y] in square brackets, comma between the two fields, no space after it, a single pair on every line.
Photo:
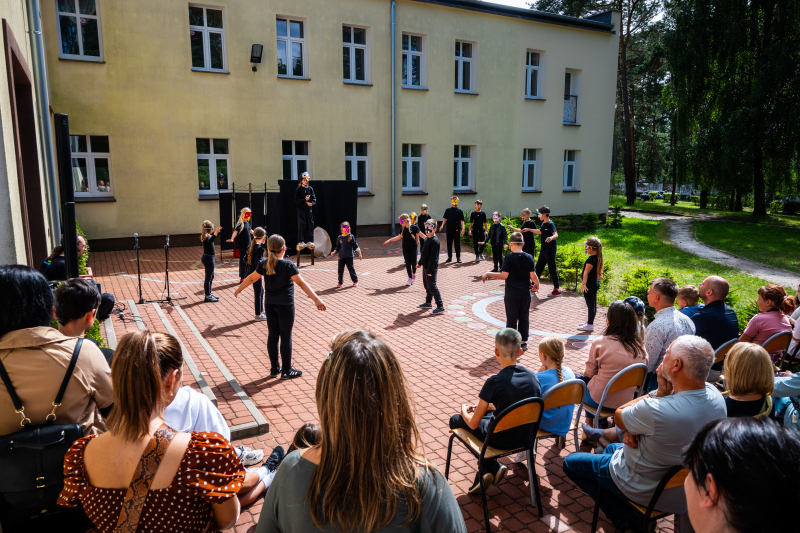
[511,106]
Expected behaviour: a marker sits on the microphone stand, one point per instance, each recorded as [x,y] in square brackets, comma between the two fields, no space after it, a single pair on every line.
[166,255]
[138,267]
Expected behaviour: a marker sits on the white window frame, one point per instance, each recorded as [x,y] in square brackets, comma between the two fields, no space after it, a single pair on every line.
[458,177]
[353,160]
[212,159]
[408,161]
[288,41]
[537,169]
[574,90]
[91,172]
[367,55]
[206,30]
[407,58]
[473,62]
[294,158]
[575,165]
[77,15]
[536,93]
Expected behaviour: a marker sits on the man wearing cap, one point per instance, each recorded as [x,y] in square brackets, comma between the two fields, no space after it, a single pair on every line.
[305,200]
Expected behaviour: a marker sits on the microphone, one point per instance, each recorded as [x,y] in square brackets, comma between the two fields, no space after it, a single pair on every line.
[136,235]
[167,240]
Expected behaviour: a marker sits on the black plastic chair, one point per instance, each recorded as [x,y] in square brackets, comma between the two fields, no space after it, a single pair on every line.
[528,411]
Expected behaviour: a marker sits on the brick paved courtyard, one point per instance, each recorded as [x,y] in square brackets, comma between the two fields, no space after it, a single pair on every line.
[445,358]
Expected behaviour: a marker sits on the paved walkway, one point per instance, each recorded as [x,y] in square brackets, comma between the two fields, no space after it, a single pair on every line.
[445,358]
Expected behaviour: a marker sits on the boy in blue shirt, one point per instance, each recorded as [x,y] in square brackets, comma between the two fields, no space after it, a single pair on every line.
[688,300]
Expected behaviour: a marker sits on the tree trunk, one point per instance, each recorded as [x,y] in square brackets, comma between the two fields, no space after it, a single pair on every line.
[630,176]
[738,206]
[674,168]
[703,198]
[759,200]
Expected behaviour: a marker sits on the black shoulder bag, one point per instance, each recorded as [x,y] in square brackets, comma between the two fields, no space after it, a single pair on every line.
[32,459]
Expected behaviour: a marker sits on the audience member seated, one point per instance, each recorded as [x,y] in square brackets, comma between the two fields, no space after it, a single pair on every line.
[773,306]
[750,377]
[715,322]
[688,299]
[619,347]
[36,355]
[787,399]
[743,477]
[657,427]
[668,325]
[368,471]
[197,479]
[54,268]
[792,350]
[796,314]
[639,308]
[76,303]
[512,384]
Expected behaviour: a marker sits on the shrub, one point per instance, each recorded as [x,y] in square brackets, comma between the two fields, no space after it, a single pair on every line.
[745,312]
[569,262]
[83,261]
[776,207]
[791,208]
[616,217]
[695,199]
[637,283]
[590,220]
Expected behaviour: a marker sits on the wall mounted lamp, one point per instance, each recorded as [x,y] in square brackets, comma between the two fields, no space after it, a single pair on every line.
[255,55]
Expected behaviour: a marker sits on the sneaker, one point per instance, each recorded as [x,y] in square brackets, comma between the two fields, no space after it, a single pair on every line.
[338,285]
[586,327]
[477,258]
[275,372]
[413,277]
[291,374]
[449,260]
[521,457]
[249,456]
[410,281]
[262,316]
[524,346]
[425,306]
[500,474]
[458,260]
[355,284]
[495,269]
[210,299]
[488,479]
[555,292]
[438,311]
[275,459]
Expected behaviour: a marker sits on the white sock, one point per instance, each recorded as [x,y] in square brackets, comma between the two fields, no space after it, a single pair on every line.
[262,473]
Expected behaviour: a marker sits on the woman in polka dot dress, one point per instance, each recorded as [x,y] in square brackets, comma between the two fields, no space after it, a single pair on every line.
[195,486]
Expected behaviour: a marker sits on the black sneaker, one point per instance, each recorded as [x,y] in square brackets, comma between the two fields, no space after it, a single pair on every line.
[275,459]
[426,305]
[477,258]
[524,346]
[458,260]
[495,269]
[291,374]
[211,299]
[275,372]
[438,311]
[449,260]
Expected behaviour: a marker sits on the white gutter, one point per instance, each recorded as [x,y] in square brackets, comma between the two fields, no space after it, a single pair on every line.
[394,129]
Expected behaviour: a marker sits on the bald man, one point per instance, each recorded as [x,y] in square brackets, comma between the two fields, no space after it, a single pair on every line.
[716,322]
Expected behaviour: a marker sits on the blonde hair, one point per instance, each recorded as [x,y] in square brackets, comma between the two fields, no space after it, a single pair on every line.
[689,293]
[274,246]
[749,370]
[595,243]
[553,349]
[205,229]
[241,214]
[257,234]
[527,211]
[349,233]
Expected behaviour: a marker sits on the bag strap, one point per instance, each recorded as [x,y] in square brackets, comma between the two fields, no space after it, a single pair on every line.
[143,476]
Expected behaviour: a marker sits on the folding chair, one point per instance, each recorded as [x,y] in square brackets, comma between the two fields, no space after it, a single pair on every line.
[528,411]
[789,358]
[674,477]
[570,392]
[631,376]
[719,356]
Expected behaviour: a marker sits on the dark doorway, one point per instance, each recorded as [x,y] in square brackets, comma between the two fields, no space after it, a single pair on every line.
[23,121]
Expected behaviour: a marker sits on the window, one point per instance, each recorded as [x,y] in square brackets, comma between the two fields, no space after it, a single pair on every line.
[213,165]
[356,164]
[207,38]
[572,88]
[91,165]
[79,30]
[533,74]
[355,53]
[465,71]
[296,159]
[414,64]
[291,48]
[413,173]
[463,167]
[530,170]
[571,170]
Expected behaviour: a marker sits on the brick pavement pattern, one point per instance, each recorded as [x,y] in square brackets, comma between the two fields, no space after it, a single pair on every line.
[446,359]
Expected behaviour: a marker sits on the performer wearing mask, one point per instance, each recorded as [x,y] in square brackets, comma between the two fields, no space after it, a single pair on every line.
[305,200]
[547,256]
[242,234]
[255,254]
[454,221]
[209,256]
[477,228]
[498,238]
[346,245]
[429,262]
[410,235]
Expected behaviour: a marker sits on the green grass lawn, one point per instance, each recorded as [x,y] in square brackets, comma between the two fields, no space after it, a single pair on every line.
[638,243]
[775,246]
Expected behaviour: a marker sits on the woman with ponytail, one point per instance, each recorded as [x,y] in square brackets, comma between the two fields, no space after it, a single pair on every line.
[551,373]
[590,284]
[242,235]
[208,259]
[255,253]
[280,275]
[774,306]
[196,476]
[410,235]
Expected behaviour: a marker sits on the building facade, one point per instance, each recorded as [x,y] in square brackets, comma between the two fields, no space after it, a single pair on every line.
[511,106]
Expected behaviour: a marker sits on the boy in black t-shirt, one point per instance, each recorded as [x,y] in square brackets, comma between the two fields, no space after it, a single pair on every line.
[477,228]
[453,220]
[547,256]
[512,384]
[519,274]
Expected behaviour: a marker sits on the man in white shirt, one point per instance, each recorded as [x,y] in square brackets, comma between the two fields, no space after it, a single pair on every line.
[668,325]
[658,428]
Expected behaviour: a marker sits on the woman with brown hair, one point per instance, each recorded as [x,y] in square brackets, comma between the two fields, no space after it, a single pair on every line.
[369,472]
[166,481]
[242,236]
[774,306]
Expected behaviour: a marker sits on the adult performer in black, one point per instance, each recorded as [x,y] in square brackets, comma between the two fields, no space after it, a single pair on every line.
[305,200]
[453,220]
[242,236]
[477,228]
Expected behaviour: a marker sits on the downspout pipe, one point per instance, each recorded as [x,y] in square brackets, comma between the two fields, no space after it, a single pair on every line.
[394,129]
[43,103]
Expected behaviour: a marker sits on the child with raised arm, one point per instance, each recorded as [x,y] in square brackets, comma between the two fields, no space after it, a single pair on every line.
[208,258]
[477,228]
[547,255]
[410,235]
[254,254]
[347,246]
[590,279]
[518,273]
[498,238]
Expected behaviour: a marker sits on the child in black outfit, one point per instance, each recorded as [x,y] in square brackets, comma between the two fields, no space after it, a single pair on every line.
[429,262]
[409,234]
[242,235]
[346,245]
[254,254]
[592,272]
[477,228]
[547,256]
[209,256]
[512,384]
[453,221]
[498,238]
[519,274]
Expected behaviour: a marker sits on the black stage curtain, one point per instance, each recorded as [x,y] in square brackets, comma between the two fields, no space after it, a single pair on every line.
[229,207]
[337,201]
[273,213]
[226,220]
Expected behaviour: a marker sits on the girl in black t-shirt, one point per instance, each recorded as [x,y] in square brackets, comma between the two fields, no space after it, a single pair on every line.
[255,254]
[410,235]
[347,246]
[498,238]
[242,233]
[280,275]
[207,237]
[592,273]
